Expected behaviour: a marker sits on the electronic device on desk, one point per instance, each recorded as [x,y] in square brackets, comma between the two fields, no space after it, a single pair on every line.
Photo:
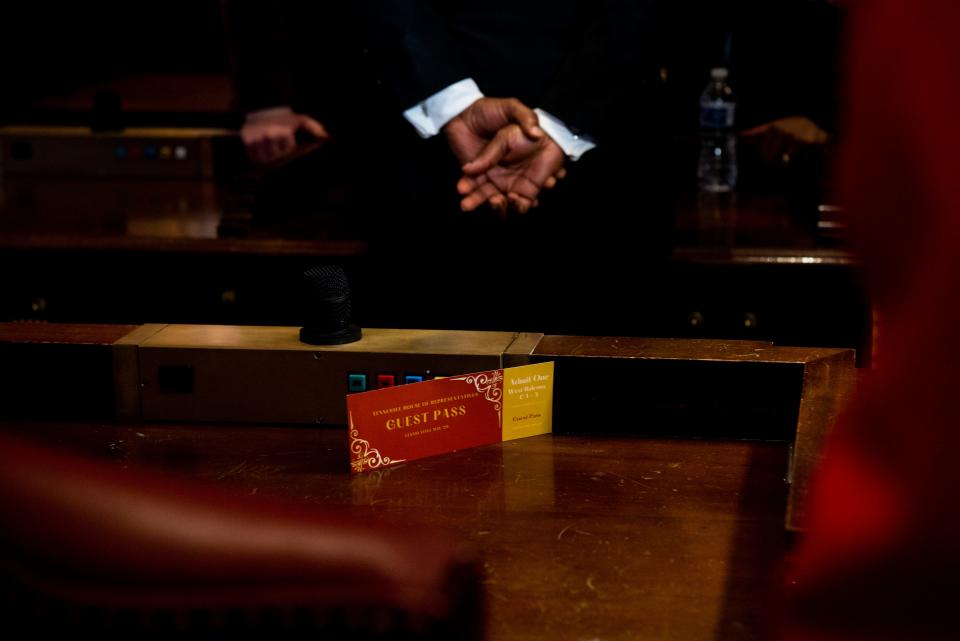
[162,152]
[157,125]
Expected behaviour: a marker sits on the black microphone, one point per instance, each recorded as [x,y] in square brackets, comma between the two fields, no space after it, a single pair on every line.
[328,308]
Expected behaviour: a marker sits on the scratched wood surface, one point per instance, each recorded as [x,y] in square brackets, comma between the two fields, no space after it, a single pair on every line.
[582,537]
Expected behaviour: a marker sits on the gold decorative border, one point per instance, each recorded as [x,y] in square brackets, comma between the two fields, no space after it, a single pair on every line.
[363,454]
[487,384]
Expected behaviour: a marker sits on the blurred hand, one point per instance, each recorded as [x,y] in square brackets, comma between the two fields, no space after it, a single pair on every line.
[491,130]
[780,140]
[270,134]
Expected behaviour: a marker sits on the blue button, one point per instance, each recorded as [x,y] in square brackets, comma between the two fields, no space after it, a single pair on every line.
[150,151]
[412,378]
[357,382]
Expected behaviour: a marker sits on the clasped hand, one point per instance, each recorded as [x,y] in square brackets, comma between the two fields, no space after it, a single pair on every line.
[507,159]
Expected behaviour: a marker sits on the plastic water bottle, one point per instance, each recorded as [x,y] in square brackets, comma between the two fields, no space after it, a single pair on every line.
[717,171]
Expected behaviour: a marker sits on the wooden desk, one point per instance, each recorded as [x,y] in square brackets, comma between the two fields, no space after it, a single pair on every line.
[763,266]
[583,538]
[138,250]
[130,250]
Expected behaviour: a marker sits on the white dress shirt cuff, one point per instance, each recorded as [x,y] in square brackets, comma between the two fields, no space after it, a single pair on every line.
[429,116]
[573,145]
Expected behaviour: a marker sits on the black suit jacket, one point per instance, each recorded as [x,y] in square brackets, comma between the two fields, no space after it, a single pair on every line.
[303,53]
[576,59]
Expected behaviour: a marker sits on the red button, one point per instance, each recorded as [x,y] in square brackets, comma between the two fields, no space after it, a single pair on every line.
[386,380]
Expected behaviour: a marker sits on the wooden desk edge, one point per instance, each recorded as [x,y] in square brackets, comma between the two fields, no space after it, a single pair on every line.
[828,385]
[828,378]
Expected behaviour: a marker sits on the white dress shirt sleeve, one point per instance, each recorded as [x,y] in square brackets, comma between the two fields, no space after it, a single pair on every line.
[429,116]
[573,145]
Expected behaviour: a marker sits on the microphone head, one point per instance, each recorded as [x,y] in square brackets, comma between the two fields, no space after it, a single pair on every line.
[328,307]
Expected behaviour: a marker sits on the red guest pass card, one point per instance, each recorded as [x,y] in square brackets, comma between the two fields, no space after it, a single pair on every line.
[407,422]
